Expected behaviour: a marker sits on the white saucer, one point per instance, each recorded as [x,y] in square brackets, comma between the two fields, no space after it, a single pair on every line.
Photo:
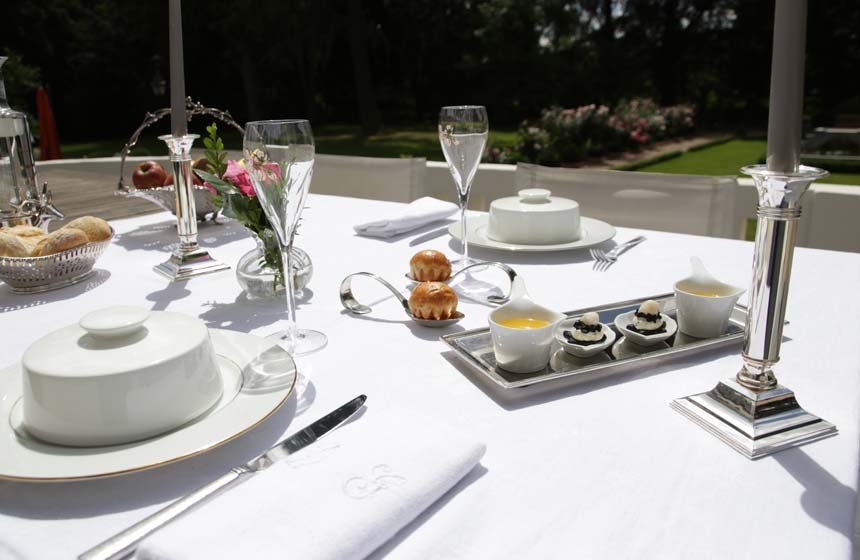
[594,232]
[624,349]
[258,377]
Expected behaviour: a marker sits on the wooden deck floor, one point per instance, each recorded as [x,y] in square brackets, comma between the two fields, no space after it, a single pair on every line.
[84,193]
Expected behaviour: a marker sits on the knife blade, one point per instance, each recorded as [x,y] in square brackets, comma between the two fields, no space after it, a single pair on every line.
[124,543]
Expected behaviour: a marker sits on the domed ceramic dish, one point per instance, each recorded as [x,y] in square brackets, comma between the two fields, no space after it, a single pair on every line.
[121,374]
[533,217]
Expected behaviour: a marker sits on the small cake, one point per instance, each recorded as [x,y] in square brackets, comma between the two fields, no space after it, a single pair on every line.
[433,300]
[11,246]
[61,240]
[430,266]
[648,319]
[96,229]
[587,330]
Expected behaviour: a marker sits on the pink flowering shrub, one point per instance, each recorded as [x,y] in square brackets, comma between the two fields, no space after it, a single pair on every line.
[572,135]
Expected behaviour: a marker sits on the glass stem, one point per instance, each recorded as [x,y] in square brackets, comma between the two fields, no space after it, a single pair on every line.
[290,331]
[464,204]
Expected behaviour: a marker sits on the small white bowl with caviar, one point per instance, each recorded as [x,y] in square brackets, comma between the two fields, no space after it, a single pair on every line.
[584,336]
[647,325]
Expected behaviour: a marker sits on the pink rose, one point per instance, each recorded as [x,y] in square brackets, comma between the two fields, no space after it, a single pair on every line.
[238,176]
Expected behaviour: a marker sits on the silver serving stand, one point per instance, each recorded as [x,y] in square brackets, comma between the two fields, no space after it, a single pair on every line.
[165,197]
[752,412]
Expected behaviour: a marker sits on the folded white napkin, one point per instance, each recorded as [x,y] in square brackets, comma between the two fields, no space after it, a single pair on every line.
[341,497]
[418,213]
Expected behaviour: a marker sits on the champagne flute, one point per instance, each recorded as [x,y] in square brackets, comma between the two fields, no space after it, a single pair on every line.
[463,131]
[279,156]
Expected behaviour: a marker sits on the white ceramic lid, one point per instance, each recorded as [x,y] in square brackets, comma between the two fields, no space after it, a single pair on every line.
[114,340]
[534,200]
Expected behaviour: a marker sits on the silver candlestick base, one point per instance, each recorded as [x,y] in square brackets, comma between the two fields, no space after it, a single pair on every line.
[755,423]
[188,259]
[753,413]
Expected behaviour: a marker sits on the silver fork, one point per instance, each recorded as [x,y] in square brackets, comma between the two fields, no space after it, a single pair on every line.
[603,260]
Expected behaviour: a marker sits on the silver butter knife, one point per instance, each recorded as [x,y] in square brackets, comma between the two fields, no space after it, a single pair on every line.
[124,543]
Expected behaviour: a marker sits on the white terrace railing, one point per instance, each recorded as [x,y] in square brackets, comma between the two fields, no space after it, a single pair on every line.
[831,212]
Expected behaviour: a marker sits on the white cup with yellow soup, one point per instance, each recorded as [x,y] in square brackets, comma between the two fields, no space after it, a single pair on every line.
[522,333]
[704,303]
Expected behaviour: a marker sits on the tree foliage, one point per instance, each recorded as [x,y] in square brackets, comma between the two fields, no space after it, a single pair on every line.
[105,62]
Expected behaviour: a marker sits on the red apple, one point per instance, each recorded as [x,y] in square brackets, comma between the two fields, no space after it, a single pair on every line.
[201,164]
[148,174]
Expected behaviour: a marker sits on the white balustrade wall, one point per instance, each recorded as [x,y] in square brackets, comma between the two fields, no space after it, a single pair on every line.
[831,213]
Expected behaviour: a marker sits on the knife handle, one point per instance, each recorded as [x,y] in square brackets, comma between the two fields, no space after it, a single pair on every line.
[123,544]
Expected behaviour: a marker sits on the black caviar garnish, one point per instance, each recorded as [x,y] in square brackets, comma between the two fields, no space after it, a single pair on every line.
[662,329]
[580,326]
[650,317]
[569,337]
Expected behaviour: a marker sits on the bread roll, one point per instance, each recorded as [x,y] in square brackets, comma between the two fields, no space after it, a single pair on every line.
[430,266]
[95,228]
[11,246]
[25,231]
[61,240]
[31,243]
[433,300]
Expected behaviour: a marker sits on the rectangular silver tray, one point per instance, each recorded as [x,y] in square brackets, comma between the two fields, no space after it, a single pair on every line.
[475,348]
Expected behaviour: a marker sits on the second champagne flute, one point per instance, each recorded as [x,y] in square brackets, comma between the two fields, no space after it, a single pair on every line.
[463,131]
[279,156]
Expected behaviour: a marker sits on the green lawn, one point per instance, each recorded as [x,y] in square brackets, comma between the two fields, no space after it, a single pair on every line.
[342,140]
[727,159]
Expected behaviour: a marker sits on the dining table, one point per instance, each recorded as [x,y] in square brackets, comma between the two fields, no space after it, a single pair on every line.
[600,470]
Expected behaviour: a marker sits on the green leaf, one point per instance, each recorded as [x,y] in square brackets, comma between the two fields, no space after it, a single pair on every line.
[221,186]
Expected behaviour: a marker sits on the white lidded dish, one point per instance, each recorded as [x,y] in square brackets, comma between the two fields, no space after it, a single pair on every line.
[121,374]
[534,217]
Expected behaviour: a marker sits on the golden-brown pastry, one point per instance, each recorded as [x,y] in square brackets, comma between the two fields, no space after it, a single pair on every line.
[25,231]
[95,228]
[31,243]
[11,246]
[433,300]
[61,240]
[430,266]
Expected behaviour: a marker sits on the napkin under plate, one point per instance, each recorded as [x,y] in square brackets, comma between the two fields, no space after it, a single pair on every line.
[342,497]
[417,213]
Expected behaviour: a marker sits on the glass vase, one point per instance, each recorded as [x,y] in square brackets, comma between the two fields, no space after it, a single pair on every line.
[258,279]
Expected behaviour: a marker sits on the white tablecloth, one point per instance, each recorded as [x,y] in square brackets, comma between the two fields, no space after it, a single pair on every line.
[606,470]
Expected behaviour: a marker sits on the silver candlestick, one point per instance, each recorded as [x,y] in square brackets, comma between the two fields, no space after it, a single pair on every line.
[188,259]
[752,412]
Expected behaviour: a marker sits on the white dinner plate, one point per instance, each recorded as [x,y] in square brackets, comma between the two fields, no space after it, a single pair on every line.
[258,375]
[594,232]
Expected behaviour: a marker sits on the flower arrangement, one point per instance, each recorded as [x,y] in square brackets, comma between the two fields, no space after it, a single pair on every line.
[234,193]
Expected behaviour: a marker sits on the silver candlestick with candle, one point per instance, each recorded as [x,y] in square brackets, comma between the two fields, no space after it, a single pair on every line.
[188,259]
[752,412]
